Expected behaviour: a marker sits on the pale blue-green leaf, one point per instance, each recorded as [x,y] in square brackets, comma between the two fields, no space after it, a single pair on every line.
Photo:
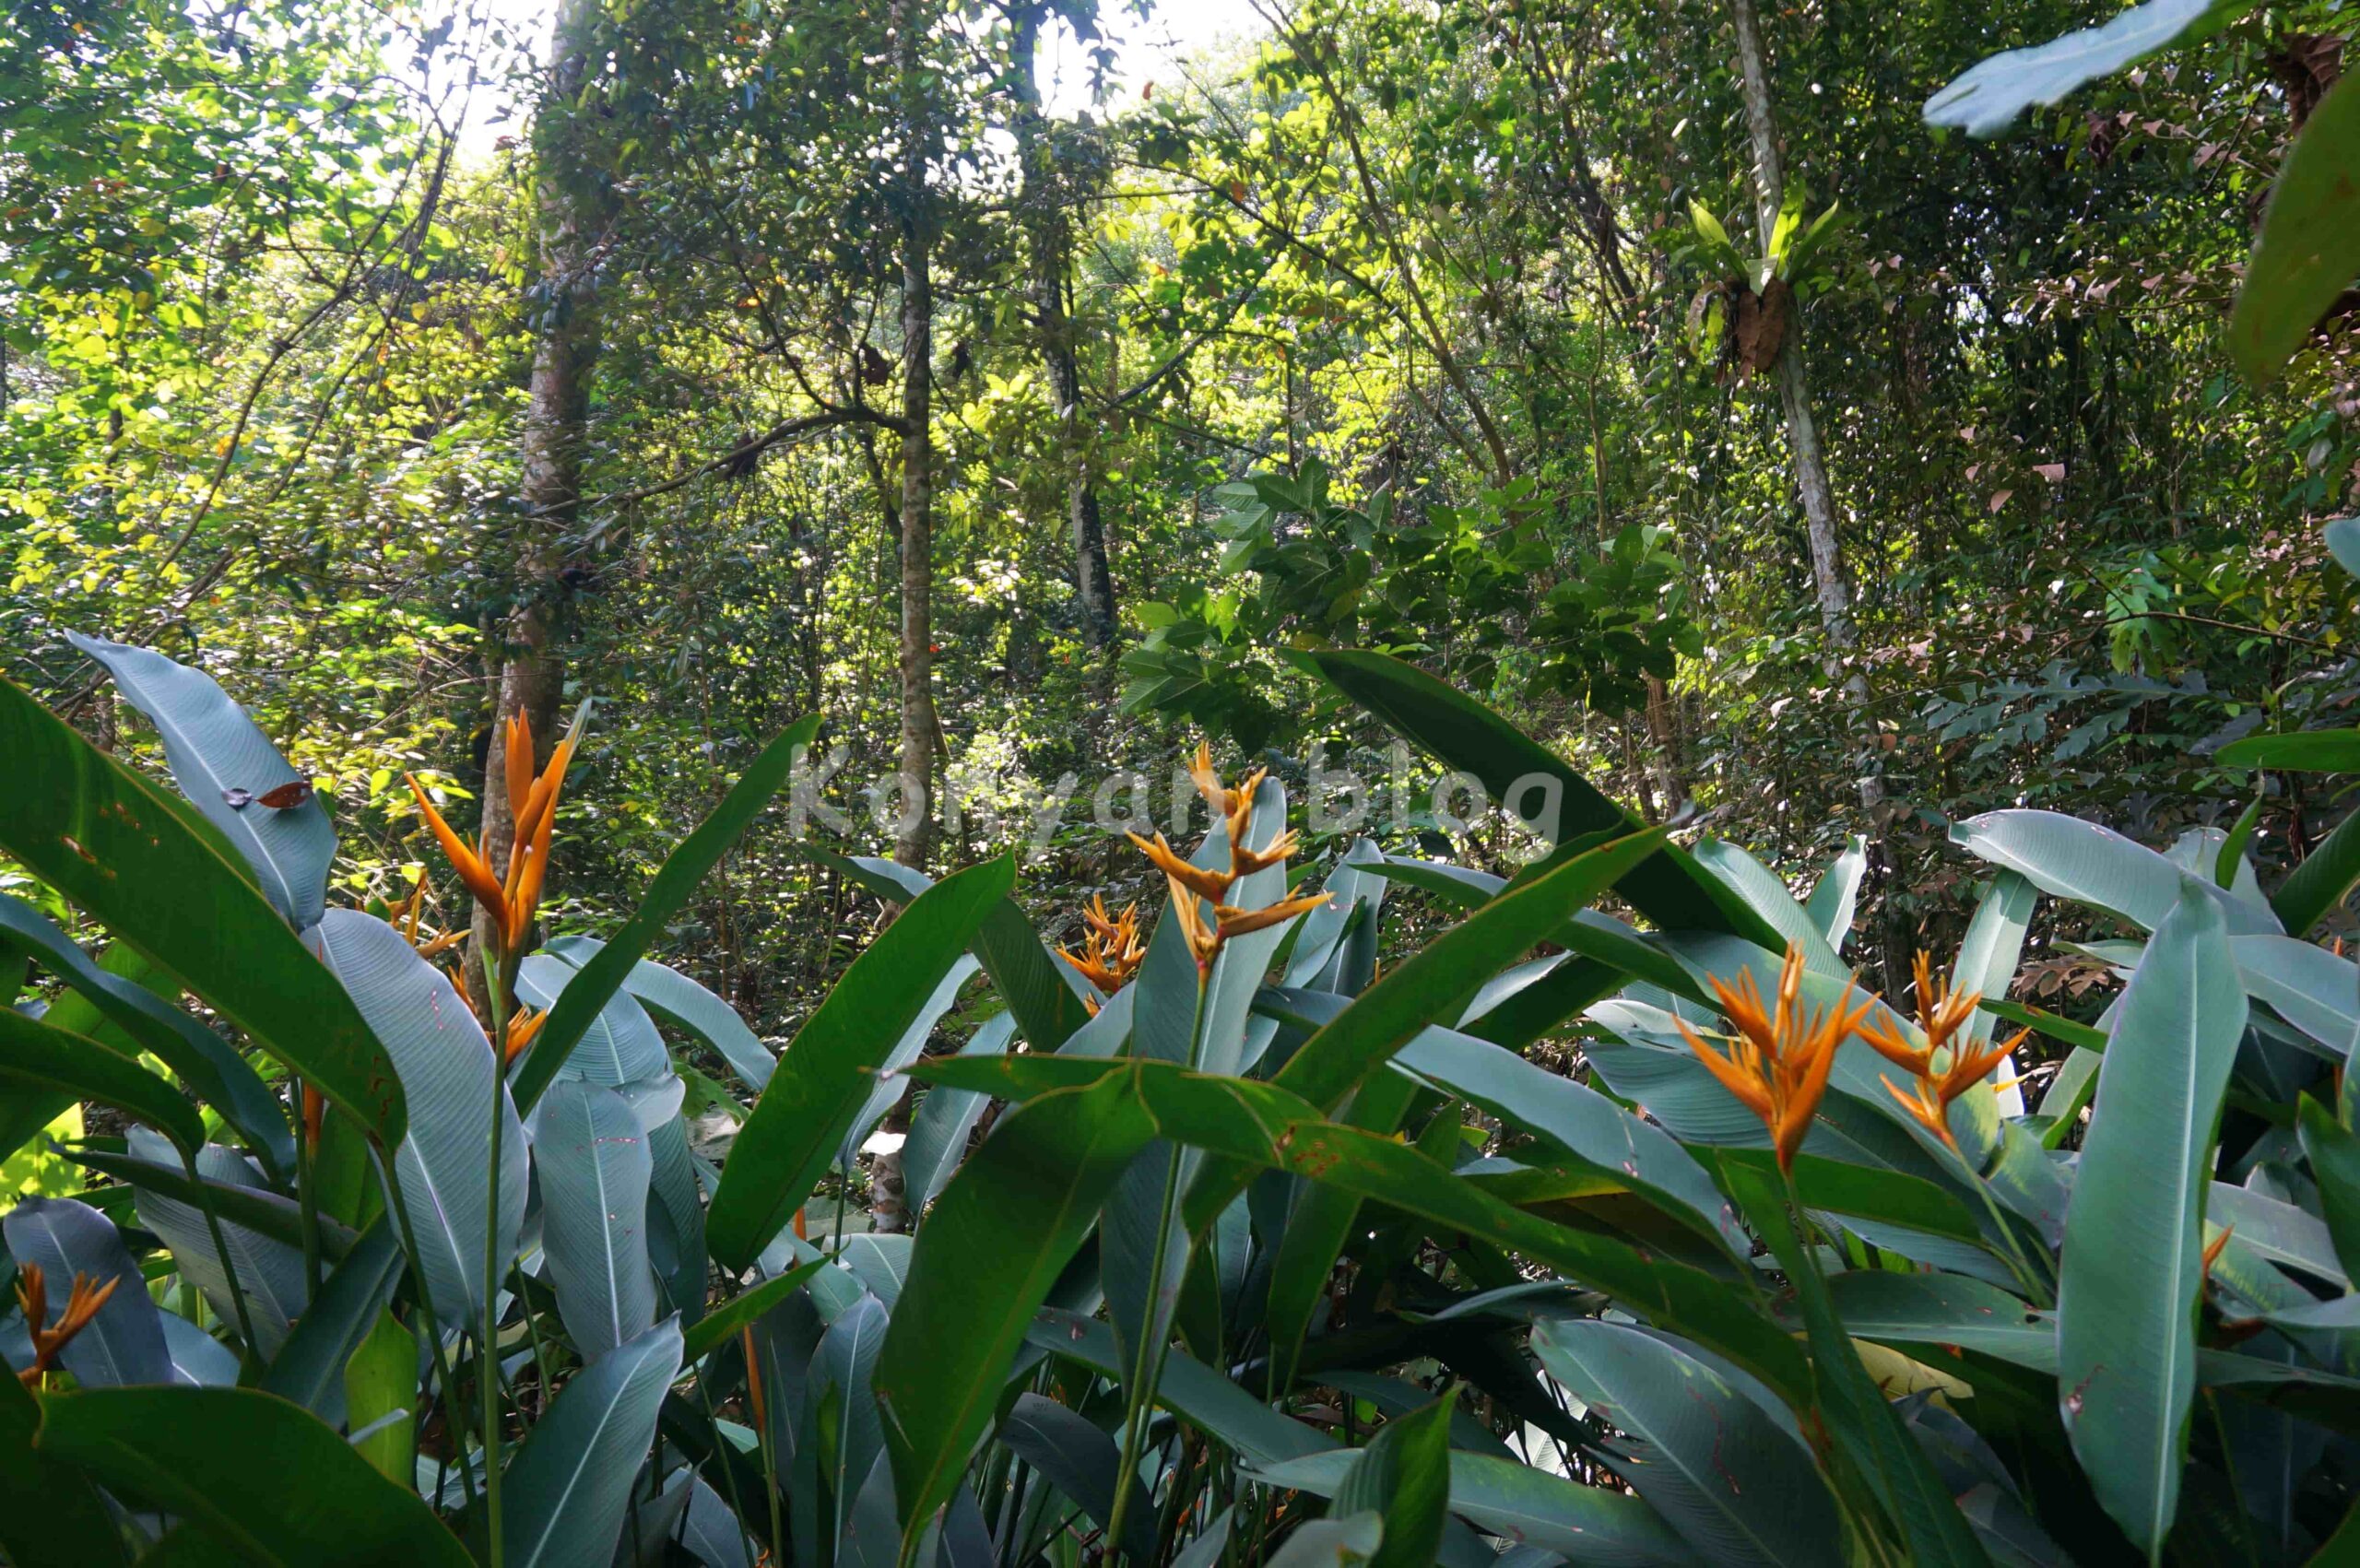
[225,764]
[567,1489]
[619,1047]
[2069,858]
[684,1004]
[1769,897]
[270,1273]
[945,1121]
[445,1066]
[595,1166]
[1837,895]
[125,1343]
[1986,97]
[891,1086]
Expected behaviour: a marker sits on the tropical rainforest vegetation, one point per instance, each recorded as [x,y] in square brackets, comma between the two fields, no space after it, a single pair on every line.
[1454,782]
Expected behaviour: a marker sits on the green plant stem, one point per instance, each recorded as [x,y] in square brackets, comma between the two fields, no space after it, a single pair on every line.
[1140,1397]
[496,1002]
[222,1249]
[453,1406]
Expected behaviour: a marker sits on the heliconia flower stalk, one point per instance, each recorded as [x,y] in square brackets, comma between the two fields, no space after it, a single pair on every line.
[1777,1062]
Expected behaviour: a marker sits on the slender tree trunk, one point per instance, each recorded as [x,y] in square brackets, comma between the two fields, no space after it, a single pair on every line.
[1794,385]
[530,635]
[921,728]
[1049,238]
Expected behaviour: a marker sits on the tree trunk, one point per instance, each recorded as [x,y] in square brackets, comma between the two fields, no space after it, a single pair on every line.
[1049,238]
[1794,385]
[530,636]
[921,728]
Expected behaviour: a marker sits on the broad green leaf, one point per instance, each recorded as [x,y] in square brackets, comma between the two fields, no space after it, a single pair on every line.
[225,765]
[1262,1125]
[1837,892]
[258,1210]
[1525,1503]
[202,1058]
[2072,859]
[1985,98]
[1042,995]
[567,1489]
[2131,1275]
[721,1325]
[2306,985]
[1667,887]
[2320,882]
[1082,1461]
[1987,964]
[1430,984]
[268,1273]
[945,1120]
[888,1089]
[2309,249]
[381,1396]
[2279,1231]
[1404,1475]
[1851,1406]
[37,1056]
[2301,751]
[50,1516]
[684,1004]
[1195,1392]
[1769,897]
[448,1074]
[125,1343]
[1720,1471]
[822,1080]
[618,1046]
[1926,1312]
[309,1368]
[2334,1154]
[683,870]
[1002,1231]
[192,1451]
[1316,1228]
[842,1370]
[593,1166]
[104,837]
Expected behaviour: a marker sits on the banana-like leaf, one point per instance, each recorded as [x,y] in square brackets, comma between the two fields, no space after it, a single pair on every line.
[881,1263]
[1769,897]
[1001,1234]
[1719,1470]
[114,845]
[202,1058]
[226,766]
[258,1210]
[448,1074]
[889,1087]
[1348,1542]
[842,1370]
[2320,882]
[1190,1389]
[38,1057]
[684,1004]
[565,1494]
[945,1120]
[1987,964]
[50,1516]
[676,1222]
[1583,1524]
[718,1327]
[619,1045]
[269,1273]
[594,1168]
[2307,252]
[604,974]
[308,1369]
[2279,1231]
[199,1360]
[1667,887]
[1044,995]
[2334,1154]
[2069,858]
[710,1530]
[1985,98]
[1404,1475]
[822,1080]
[1082,1461]
[2131,1274]
[124,1345]
[1837,895]
[192,1452]
[2306,985]
[380,1393]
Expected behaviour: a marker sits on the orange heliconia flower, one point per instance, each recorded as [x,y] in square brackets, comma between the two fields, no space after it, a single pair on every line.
[1777,1061]
[521,1027]
[81,1305]
[1190,883]
[1941,1014]
[1111,950]
[532,804]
